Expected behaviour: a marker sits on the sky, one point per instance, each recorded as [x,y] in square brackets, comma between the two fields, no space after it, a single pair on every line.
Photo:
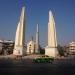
[36,12]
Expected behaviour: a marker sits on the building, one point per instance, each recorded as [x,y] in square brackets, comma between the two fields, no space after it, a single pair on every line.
[72,48]
[6,46]
[1,44]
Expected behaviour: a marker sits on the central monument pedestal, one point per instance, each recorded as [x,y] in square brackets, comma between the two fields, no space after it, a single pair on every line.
[51,51]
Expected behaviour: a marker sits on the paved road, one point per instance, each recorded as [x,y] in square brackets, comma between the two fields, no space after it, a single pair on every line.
[26,67]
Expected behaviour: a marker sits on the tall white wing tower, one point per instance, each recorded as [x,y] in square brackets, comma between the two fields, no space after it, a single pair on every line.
[52,41]
[20,35]
[51,49]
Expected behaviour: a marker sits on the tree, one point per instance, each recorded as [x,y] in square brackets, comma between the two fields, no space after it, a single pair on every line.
[42,50]
[60,50]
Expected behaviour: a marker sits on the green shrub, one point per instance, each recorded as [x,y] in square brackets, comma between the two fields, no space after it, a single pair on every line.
[41,60]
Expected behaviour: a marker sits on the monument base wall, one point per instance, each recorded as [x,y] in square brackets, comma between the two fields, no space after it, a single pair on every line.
[52,52]
[18,51]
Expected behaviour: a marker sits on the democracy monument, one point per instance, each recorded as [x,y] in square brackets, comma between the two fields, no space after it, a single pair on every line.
[50,49]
